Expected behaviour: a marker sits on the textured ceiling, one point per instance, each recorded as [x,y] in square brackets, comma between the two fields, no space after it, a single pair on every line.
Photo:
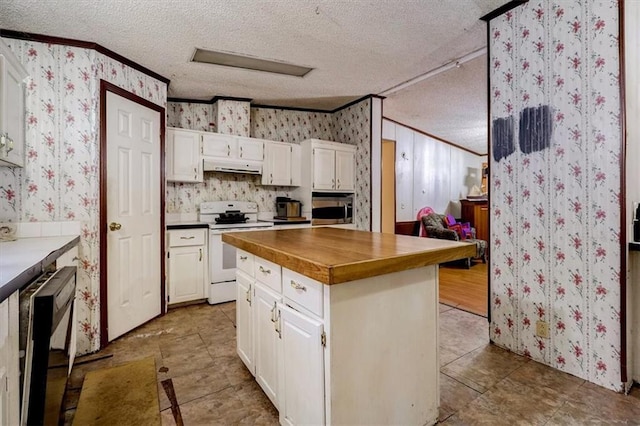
[356,47]
[451,105]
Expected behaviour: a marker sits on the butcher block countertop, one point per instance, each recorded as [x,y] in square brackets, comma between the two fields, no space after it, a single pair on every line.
[334,255]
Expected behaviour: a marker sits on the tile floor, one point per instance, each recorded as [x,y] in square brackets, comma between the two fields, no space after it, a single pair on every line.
[194,348]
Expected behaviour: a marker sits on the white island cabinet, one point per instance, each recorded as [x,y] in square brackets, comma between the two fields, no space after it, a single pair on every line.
[355,327]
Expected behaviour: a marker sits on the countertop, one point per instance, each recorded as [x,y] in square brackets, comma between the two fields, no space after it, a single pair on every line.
[24,259]
[337,255]
[186,225]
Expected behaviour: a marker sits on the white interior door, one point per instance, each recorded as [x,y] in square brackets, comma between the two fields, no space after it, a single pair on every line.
[133,214]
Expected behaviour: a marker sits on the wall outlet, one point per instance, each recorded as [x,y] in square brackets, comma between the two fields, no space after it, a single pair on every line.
[542,329]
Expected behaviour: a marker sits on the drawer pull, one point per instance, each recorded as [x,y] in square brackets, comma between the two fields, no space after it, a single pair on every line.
[298,286]
[265,271]
[243,257]
[187,238]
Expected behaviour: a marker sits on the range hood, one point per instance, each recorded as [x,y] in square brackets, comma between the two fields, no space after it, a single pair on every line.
[211,164]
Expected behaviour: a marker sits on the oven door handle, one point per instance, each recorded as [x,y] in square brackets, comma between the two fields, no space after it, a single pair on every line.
[346,212]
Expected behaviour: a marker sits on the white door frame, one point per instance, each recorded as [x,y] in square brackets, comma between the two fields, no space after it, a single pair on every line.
[104,88]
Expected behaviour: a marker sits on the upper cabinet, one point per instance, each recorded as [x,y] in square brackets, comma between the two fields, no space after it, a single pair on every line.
[332,165]
[281,164]
[12,108]
[184,163]
[232,147]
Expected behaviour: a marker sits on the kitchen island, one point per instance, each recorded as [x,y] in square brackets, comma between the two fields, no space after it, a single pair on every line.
[341,326]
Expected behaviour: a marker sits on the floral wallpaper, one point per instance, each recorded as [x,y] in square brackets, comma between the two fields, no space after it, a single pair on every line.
[194,116]
[556,195]
[291,126]
[233,117]
[60,181]
[353,126]
[285,126]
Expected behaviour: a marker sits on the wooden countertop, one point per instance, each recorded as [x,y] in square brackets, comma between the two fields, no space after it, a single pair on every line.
[334,255]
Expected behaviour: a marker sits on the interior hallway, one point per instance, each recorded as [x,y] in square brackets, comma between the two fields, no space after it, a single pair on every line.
[194,347]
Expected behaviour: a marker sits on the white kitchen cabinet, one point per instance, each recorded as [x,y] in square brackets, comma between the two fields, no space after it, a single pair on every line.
[332,165]
[12,109]
[301,358]
[184,163]
[9,361]
[324,164]
[281,164]
[232,147]
[250,148]
[187,265]
[345,170]
[244,320]
[265,339]
[219,145]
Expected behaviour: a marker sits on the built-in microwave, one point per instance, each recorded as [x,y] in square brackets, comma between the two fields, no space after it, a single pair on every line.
[331,208]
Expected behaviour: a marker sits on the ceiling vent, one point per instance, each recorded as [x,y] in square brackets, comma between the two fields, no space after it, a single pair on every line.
[248,62]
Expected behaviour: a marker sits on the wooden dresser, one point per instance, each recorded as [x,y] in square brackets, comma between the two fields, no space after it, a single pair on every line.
[477,213]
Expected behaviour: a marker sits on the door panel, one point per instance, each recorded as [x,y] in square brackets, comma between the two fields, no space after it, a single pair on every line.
[345,170]
[324,165]
[244,324]
[301,363]
[266,340]
[133,200]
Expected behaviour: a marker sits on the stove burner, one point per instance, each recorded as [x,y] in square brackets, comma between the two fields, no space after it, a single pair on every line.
[231,216]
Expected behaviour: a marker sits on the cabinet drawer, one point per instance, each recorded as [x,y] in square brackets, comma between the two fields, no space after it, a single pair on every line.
[303,291]
[245,262]
[268,273]
[187,237]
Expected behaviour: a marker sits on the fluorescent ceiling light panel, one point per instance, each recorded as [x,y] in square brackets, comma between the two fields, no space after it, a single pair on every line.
[247,62]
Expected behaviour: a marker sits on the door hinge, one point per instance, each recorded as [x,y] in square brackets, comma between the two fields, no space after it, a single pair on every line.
[168,299]
[168,254]
[323,339]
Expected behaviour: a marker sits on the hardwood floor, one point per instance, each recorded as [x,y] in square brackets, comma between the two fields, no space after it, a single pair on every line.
[465,289]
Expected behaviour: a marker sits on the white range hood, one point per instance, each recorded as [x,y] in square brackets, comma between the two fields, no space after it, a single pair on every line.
[212,164]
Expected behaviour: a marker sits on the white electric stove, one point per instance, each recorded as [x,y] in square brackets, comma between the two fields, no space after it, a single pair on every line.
[226,216]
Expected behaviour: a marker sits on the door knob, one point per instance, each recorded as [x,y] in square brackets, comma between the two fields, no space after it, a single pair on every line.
[115,226]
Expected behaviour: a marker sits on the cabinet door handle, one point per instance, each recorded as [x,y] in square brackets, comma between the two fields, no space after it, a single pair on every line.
[273,313]
[200,255]
[228,150]
[187,238]
[279,325]
[249,295]
[240,152]
[298,286]
[243,257]
[264,271]
[271,175]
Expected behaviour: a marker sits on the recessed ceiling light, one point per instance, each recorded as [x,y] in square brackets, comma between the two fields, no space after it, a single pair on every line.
[248,62]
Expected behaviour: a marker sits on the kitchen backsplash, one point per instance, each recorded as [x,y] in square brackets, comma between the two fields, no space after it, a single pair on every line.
[350,125]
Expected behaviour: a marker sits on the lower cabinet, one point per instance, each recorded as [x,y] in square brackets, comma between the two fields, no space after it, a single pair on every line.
[281,346]
[244,322]
[301,368]
[265,338]
[187,265]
